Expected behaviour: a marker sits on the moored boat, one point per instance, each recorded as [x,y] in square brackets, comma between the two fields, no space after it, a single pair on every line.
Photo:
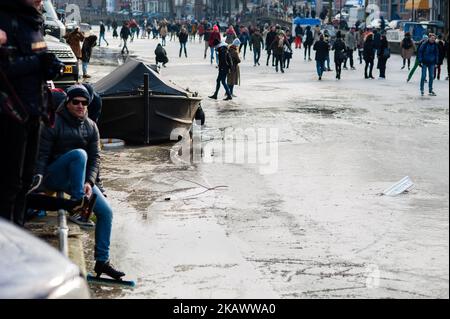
[139,107]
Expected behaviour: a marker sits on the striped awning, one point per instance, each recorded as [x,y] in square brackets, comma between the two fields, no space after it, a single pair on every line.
[418,5]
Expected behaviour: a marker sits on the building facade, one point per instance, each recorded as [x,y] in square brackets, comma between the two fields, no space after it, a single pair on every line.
[426,9]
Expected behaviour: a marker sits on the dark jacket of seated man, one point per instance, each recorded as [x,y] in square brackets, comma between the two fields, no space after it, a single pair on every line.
[70,133]
[69,159]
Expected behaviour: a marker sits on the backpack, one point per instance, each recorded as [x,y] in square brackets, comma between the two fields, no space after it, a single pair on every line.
[407,44]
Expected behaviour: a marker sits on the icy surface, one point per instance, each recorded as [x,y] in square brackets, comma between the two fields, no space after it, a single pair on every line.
[317,228]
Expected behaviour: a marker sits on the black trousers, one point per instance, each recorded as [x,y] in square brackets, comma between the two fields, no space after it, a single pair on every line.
[243,44]
[279,61]
[269,52]
[369,67]
[349,57]
[19,145]
[308,50]
[382,66]
[183,46]
[338,65]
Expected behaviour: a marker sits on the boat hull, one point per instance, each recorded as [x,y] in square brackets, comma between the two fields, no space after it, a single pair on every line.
[127,117]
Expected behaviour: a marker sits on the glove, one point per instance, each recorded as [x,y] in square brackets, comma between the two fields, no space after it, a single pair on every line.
[36,182]
[420,64]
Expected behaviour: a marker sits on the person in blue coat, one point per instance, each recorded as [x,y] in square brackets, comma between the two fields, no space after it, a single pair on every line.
[428,57]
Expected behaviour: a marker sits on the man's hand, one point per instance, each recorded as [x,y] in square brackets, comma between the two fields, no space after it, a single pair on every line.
[87,189]
[3,37]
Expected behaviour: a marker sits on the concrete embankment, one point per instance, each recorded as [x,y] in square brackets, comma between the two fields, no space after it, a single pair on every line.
[46,228]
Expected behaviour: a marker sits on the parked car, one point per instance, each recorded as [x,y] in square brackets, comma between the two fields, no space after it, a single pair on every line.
[32,269]
[53,26]
[397,24]
[376,23]
[66,55]
[85,28]
[55,31]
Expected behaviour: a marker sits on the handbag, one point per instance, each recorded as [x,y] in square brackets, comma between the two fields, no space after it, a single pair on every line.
[386,53]
[342,56]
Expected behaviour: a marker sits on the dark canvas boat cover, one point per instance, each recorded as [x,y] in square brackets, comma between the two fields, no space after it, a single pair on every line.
[128,79]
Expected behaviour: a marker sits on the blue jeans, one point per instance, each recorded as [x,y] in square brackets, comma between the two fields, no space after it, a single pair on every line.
[320,66]
[256,55]
[68,174]
[85,66]
[430,69]
[214,52]
[183,46]
[221,78]
[102,36]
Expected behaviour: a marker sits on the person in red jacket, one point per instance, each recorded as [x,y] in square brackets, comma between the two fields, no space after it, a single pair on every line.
[215,34]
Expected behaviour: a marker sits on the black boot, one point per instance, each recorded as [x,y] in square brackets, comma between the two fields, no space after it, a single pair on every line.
[214,97]
[79,205]
[108,269]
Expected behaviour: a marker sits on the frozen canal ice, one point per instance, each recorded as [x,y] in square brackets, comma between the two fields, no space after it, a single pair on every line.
[316,227]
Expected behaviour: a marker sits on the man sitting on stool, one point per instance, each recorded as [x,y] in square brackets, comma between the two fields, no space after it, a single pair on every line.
[69,158]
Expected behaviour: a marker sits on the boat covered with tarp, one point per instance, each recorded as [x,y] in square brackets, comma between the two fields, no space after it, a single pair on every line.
[140,107]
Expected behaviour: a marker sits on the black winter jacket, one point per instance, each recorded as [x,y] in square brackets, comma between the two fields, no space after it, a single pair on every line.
[125,32]
[86,51]
[70,133]
[225,61]
[269,39]
[322,50]
[368,53]
[183,37]
[339,50]
[309,37]
[24,66]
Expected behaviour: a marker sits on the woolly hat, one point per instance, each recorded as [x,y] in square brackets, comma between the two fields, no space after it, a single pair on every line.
[90,89]
[236,42]
[215,28]
[77,90]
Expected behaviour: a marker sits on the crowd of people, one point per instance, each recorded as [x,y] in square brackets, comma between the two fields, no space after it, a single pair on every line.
[51,136]
[369,46]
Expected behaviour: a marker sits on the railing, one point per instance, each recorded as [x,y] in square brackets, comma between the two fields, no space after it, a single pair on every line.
[63,230]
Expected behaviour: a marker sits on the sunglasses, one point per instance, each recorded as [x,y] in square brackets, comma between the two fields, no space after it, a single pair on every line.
[76,102]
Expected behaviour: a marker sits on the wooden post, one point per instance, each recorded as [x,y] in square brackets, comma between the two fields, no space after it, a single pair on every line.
[146,109]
